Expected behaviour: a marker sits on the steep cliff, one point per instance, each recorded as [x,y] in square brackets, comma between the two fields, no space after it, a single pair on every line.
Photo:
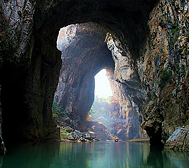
[126,88]
[161,82]
[163,69]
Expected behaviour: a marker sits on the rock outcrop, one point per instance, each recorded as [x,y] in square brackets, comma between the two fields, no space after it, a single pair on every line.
[151,35]
[163,70]
[179,140]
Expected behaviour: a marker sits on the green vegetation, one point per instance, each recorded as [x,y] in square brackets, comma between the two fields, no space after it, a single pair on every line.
[63,133]
[175,29]
[187,35]
[100,105]
[166,76]
[55,115]
[102,111]
[175,33]
[58,110]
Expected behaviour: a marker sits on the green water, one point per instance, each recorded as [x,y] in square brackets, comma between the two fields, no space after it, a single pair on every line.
[92,155]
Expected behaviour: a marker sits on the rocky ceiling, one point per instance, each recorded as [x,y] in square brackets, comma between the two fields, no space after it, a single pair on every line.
[127,19]
[30,30]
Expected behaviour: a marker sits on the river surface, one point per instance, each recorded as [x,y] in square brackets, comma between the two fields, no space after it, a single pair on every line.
[92,155]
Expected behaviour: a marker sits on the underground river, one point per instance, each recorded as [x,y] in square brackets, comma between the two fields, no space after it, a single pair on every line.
[101,154]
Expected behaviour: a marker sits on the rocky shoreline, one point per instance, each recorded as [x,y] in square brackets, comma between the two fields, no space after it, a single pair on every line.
[70,135]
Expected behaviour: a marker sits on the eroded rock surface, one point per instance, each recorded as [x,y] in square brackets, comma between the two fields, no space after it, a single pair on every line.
[179,140]
[163,69]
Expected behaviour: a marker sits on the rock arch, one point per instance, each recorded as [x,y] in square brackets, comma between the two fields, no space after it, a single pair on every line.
[84,54]
[31,81]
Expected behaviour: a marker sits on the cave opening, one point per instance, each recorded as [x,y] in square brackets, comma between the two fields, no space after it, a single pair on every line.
[100,117]
[144,61]
[30,82]
[85,52]
[102,84]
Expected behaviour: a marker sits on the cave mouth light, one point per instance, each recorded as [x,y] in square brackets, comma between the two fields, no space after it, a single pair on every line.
[102,85]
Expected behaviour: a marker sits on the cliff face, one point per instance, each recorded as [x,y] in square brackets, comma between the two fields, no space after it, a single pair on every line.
[126,88]
[160,85]
[152,40]
[27,74]
[163,69]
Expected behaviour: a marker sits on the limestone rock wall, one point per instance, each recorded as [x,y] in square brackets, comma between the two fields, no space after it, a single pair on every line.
[161,72]
[126,88]
[16,30]
[163,69]
[28,71]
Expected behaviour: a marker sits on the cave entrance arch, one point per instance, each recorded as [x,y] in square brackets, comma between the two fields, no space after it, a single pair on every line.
[30,83]
[84,54]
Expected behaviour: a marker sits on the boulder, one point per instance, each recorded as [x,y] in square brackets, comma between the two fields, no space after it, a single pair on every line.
[179,140]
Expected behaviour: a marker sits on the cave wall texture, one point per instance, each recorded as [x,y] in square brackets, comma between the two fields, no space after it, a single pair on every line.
[151,35]
[163,70]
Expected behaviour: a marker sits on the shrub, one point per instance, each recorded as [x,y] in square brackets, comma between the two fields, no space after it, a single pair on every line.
[165,77]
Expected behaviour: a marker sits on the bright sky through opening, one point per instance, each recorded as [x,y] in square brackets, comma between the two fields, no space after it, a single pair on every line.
[102,85]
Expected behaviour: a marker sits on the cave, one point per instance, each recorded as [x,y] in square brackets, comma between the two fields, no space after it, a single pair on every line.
[29,86]
[84,54]
[144,39]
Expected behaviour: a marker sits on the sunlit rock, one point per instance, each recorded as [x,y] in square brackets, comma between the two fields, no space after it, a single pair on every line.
[126,88]
[179,140]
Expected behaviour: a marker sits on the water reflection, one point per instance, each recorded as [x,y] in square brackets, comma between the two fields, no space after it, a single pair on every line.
[30,156]
[92,155]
